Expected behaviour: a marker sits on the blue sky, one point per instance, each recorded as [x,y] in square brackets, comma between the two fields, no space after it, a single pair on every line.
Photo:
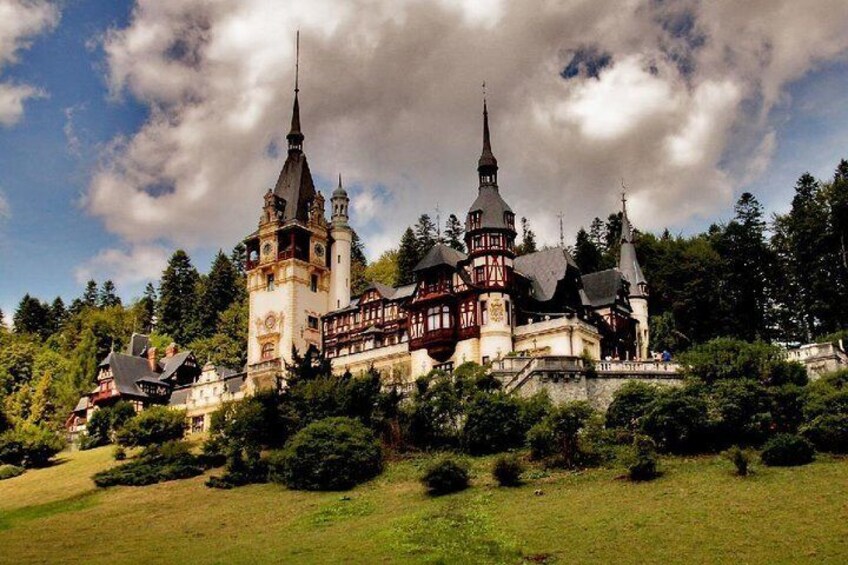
[52,160]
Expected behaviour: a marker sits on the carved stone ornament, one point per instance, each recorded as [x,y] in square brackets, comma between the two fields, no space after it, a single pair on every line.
[496,310]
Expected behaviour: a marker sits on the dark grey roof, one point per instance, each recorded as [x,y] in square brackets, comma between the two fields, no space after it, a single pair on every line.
[81,405]
[487,159]
[493,208]
[383,290]
[295,186]
[630,269]
[179,396]
[545,269]
[127,370]
[170,365]
[440,254]
[404,291]
[234,382]
[602,288]
[340,192]
[138,345]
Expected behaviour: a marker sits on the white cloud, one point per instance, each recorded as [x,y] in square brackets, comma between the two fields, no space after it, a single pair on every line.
[390,97]
[5,208]
[20,22]
[140,263]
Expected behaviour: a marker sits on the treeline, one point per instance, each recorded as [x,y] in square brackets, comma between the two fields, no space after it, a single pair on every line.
[50,357]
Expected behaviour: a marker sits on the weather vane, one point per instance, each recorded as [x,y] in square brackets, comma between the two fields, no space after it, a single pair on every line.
[297,61]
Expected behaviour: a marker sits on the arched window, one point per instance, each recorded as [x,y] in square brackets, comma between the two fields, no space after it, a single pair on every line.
[267,351]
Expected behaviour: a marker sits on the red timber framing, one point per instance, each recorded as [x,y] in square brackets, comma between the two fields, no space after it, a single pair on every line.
[493,273]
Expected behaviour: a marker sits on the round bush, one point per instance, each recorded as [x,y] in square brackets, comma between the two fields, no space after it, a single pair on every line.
[787,450]
[445,476]
[629,404]
[155,425]
[331,454]
[643,466]
[493,424]
[507,470]
[828,432]
[9,471]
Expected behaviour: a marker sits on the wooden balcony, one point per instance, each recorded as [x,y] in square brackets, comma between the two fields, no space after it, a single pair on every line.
[440,344]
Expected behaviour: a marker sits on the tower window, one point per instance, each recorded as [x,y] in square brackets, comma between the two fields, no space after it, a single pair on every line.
[313,322]
[340,259]
[267,351]
[269,282]
[313,283]
[484,312]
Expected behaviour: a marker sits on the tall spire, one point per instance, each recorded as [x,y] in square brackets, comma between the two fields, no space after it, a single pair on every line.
[628,263]
[487,166]
[626,228]
[295,136]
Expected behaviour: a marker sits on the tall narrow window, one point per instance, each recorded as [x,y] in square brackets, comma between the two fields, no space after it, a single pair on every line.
[313,322]
[313,283]
[484,312]
[446,319]
[269,282]
[433,319]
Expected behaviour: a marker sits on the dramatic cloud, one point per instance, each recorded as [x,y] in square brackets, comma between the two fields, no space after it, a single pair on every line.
[20,21]
[581,95]
[140,263]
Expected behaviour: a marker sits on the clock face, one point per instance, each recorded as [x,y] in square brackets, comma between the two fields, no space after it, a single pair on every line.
[319,250]
[266,249]
[270,321]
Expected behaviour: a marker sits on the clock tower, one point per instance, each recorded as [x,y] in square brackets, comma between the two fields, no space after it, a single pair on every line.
[288,268]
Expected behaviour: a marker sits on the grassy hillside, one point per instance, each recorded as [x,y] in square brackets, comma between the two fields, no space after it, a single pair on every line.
[698,511]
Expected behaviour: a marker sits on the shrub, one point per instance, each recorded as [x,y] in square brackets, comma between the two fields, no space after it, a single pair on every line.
[435,413]
[446,475]
[97,429]
[535,408]
[787,450]
[155,425]
[507,470]
[10,471]
[557,436]
[733,359]
[787,407]
[121,413]
[740,458]
[742,412]
[677,421]
[828,432]
[493,424]
[120,453]
[29,445]
[331,454]
[643,465]
[629,404]
[243,467]
[173,460]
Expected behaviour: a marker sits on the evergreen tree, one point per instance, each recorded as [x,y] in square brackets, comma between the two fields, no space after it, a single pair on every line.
[89,296]
[586,253]
[221,289]
[238,257]
[108,297]
[32,317]
[2,321]
[58,314]
[597,234]
[528,239]
[407,257]
[748,265]
[454,233]
[84,361]
[613,233]
[178,298]
[358,263]
[425,234]
[147,309]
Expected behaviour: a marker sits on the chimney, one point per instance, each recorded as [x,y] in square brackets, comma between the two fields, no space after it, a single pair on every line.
[171,350]
[151,358]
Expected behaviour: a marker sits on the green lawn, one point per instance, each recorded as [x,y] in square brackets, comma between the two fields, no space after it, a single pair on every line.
[697,512]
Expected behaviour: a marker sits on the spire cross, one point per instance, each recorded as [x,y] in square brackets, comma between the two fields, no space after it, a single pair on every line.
[438,223]
[561,233]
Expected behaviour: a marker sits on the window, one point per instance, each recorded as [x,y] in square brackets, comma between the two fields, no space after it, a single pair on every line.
[446,319]
[313,283]
[484,312]
[508,312]
[313,322]
[267,351]
[340,259]
[434,318]
[446,367]
[495,240]
[466,314]
[480,274]
[416,329]
[478,242]
[269,282]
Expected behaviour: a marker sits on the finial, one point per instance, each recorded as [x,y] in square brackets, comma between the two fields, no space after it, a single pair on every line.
[623,195]
[561,232]
[297,62]
[438,224]
[340,180]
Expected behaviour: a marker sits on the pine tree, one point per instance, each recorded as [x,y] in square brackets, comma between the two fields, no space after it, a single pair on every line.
[2,321]
[178,298]
[238,257]
[407,257]
[58,314]
[586,253]
[221,289]
[425,234]
[528,239]
[454,233]
[147,309]
[108,297]
[597,234]
[32,317]
[358,263]
[89,296]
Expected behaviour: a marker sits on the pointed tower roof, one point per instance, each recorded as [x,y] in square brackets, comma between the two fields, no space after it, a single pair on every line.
[340,192]
[295,185]
[487,160]
[628,263]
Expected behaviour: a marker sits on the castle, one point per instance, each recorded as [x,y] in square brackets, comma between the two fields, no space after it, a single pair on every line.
[481,306]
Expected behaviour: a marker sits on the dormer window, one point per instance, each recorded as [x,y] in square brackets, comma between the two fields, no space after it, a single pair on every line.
[475,219]
[509,219]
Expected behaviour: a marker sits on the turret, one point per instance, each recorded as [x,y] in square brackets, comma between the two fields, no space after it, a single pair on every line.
[342,240]
[630,269]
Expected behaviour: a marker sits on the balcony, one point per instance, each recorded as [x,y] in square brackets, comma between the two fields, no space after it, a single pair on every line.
[440,344]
